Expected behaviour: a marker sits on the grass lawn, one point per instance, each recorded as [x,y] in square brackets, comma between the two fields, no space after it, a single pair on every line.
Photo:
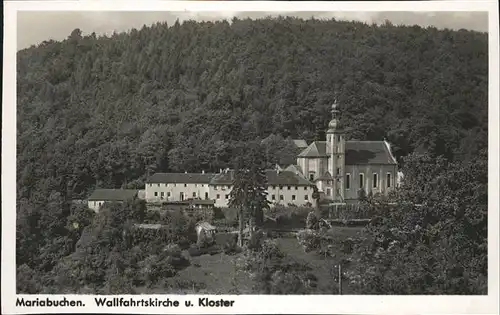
[217,274]
[323,268]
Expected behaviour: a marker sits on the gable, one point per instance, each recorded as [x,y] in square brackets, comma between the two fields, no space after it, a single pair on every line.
[315,149]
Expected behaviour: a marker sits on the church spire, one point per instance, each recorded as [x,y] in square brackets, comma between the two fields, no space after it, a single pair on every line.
[334,125]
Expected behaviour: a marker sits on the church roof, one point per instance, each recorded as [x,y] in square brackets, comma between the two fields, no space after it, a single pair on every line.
[182,178]
[368,152]
[356,152]
[274,177]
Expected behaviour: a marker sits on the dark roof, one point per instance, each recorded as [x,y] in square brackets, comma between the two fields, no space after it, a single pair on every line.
[113,194]
[368,152]
[274,177]
[286,178]
[357,152]
[183,178]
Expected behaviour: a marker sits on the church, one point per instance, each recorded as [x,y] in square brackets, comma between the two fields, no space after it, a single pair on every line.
[340,171]
[344,170]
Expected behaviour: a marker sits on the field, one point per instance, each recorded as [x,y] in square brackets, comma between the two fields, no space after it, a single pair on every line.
[217,274]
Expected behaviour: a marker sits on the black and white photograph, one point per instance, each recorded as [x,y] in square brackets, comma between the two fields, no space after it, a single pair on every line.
[226,152]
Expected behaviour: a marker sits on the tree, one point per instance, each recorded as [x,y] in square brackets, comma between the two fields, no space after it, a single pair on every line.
[434,240]
[249,192]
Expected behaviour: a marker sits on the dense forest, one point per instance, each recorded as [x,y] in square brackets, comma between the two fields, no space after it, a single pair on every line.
[99,111]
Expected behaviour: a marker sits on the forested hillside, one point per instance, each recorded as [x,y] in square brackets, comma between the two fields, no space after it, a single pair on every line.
[95,110]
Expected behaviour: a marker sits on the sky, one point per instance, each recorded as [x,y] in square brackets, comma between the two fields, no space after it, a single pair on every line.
[35,27]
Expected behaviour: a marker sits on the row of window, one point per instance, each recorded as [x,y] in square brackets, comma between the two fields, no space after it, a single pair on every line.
[375,180]
[273,197]
[162,194]
[175,185]
[229,187]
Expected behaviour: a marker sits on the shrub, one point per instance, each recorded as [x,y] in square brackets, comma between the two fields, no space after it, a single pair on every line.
[194,251]
[309,239]
[255,241]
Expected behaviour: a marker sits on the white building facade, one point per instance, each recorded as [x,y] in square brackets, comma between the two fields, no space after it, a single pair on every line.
[284,187]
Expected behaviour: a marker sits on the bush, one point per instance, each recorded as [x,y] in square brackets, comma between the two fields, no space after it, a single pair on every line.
[255,241]
[195,251]
[309,239]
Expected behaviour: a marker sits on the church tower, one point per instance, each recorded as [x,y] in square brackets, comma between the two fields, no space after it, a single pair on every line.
[335,138]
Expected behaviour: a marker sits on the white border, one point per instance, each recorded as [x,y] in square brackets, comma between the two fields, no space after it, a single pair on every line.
[320,304]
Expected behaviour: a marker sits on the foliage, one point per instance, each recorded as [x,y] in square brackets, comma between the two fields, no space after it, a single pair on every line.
[274,272]
[107,111]
[311,221]
[249,187]
[288,216]
[434,241]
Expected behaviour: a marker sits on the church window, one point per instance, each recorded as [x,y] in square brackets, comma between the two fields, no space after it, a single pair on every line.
[389,180]
[361,180]
[375,180]
[293,197]
[347,181]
